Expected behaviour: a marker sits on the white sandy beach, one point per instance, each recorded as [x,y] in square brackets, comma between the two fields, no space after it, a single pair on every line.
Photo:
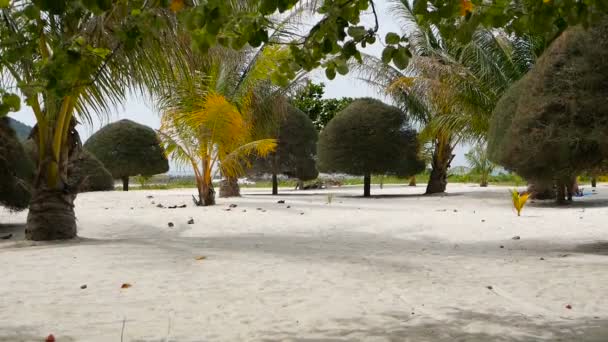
[396,267]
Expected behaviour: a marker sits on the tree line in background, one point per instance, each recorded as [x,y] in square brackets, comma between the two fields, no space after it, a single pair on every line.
[221,67]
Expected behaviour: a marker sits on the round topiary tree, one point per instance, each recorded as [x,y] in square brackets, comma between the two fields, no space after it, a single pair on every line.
[86,173]
[16,170]
[296,149]
[552,125]
[89,173]
[369,137]
[127,148]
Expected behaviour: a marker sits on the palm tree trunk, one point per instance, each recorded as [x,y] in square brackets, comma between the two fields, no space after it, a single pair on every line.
[51,215]
[230,187]
[412,181]
[442,157]
[125,183]
[275,184]
[367,185]
[207,195]
[484,181]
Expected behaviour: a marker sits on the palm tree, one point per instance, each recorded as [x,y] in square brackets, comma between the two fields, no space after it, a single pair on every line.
[68,65]
[479,162]
[449,89]
[209,133]
[237,84]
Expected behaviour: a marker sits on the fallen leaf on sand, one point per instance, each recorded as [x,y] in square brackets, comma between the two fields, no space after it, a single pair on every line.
[201,257]
[125,286]
[569,307]
[50,338]
[82,287]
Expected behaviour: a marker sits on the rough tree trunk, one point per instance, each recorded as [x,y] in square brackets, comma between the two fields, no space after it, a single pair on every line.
[367,185]
[484,179]
[51,214]
[541,190]
[442,157]
[593,182]
[412,181]
[561,192]
[230,187]
[275,184]
[300,185]
[125,183]
[206,194]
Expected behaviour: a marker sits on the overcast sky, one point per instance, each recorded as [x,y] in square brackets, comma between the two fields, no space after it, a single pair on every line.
[139,110]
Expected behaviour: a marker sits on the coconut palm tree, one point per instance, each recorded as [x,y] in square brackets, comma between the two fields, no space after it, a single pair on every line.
[479,162]
[210,134]
[227,110]
[70,63]
[449,89]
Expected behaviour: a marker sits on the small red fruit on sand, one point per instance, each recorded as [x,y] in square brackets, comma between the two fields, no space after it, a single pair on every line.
[569,307]
[50,338]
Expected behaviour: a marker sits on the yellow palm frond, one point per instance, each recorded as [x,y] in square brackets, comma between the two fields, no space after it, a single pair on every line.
[233,164]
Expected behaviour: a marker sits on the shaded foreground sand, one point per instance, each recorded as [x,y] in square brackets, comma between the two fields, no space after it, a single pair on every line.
[397,267]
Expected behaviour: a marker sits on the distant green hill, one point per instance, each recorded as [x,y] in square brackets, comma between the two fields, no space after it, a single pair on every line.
[22,130]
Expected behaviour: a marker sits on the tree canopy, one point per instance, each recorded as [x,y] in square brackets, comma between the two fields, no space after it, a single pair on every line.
[369,137]
[16,169]
[127,148]
[552,124]
[91,172]
[296,148]
[309,99]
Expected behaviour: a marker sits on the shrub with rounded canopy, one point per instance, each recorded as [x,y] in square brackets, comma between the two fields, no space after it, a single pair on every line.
[296,149]
[552,124]
[369,137]
[90,171]
[86,173]
[16,170]
[127,148]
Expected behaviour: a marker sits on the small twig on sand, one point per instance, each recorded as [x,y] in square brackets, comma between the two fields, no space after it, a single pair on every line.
[168,329]
[122,331]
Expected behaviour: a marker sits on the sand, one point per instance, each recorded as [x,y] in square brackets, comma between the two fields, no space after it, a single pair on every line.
[396,267]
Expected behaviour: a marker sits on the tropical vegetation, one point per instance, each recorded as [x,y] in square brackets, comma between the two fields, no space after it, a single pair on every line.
[449,89]
[552,124]
[71,60]
[296,150]
[128,149]
[369,137]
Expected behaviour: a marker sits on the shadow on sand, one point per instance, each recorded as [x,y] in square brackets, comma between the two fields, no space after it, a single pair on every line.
[461,326]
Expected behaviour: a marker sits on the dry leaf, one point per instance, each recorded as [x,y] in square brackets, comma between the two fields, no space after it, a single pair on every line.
[125,286]
[466,7]
[201,257]
[177,5]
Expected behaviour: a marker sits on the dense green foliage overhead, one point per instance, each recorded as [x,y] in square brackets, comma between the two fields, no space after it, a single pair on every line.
[369,137]
[553,123]
[296,148]
[127,148]
[16,169]
[330,43]
[310,100]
